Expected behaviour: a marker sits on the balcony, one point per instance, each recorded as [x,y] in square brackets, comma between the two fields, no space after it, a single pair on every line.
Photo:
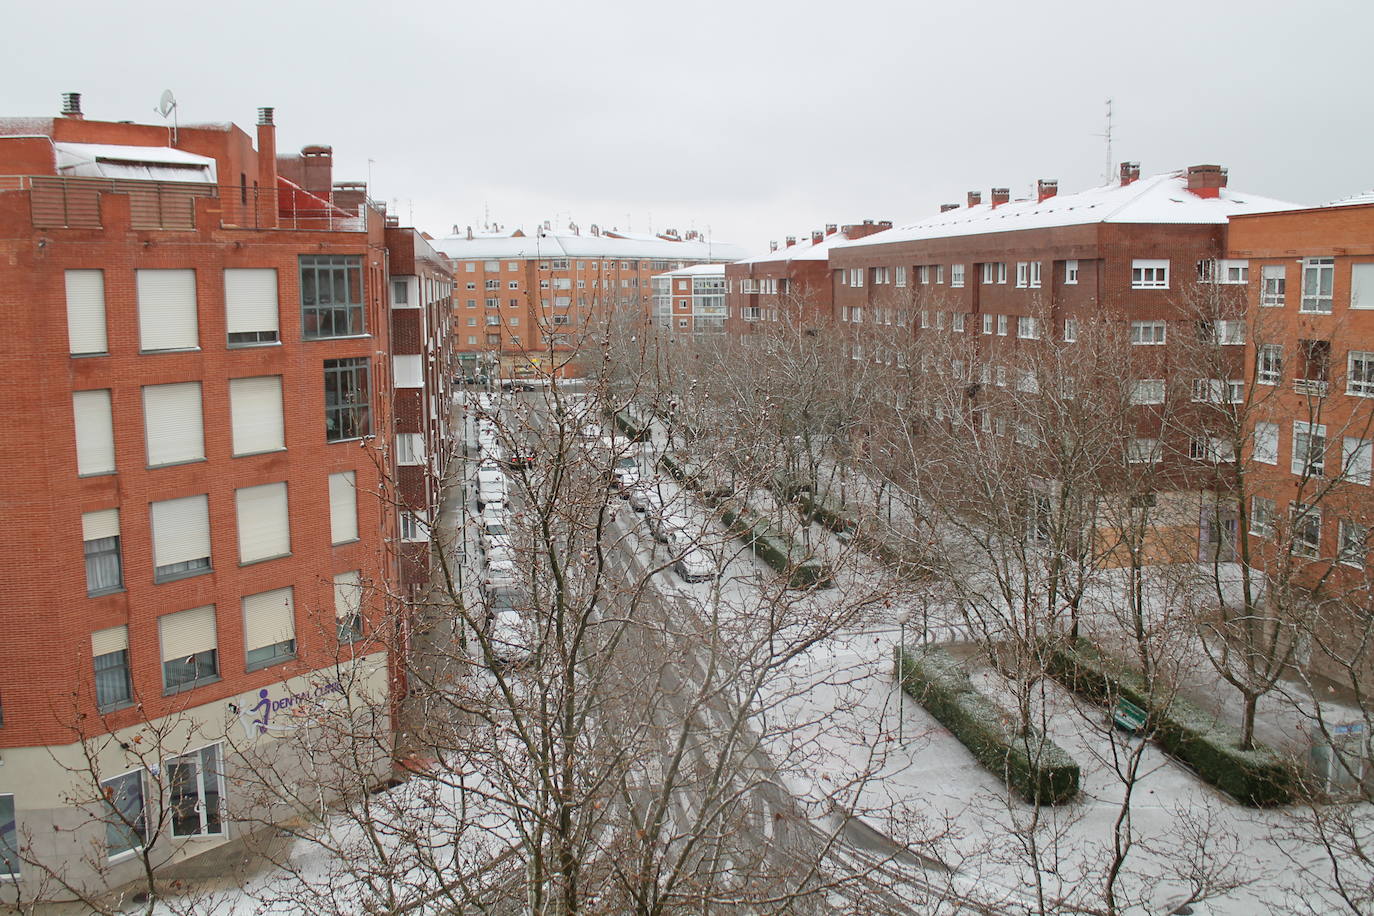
[59,202]
[1315,388]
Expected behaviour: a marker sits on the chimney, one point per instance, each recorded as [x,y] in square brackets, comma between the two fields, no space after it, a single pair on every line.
[1000,196]
[884,224]
[266,207]
[817,236]
[71,105]
[791,240]
[975,198]
[469,233]
[1130,171]
[1046,188]
[945,208]
[831,228]
[1206,180]
[772,246]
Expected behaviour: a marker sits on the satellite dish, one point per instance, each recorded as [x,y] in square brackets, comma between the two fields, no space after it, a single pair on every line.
[166,103]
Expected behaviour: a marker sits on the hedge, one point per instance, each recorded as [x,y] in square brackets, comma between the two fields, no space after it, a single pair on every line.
[1032,764]
[814,507]
[777,550]
[1259,777]
[636,432]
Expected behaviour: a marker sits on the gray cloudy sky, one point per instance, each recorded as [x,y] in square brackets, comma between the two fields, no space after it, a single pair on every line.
[759,119]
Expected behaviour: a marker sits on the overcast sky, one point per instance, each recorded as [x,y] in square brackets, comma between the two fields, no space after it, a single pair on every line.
[757,119]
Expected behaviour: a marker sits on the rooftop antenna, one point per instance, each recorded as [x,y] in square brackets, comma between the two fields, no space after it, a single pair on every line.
[1107,172]
[167,105]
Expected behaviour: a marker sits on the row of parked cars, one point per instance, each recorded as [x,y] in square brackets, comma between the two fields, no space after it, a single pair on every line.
[671,522]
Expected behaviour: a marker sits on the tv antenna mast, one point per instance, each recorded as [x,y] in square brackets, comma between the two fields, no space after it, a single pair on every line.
[167,105]
[1107,172]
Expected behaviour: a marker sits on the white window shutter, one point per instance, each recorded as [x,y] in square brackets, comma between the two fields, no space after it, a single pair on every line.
[268,618]
[256,414]
[114,639]
[343,508]
[348,594]
[172,423]
[86,312]
[185,633]
[264,530]
[181,530]
[94,432]
[167,310]
[101,524]
[250,300]
[407,371]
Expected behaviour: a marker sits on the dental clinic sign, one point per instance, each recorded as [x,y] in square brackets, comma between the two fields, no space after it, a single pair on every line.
[278,710]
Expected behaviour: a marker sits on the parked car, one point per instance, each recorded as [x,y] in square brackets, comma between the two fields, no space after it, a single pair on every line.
[695,565]
[490,539]
[644,497]
[509,638]
[492,487]
[667,522]
[501,554]
[500,574]
[625,474]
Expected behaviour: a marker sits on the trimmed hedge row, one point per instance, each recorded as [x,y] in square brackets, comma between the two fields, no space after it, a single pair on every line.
[777,550]
[834,519]
[1032,764]
[636,432]
[1259,778]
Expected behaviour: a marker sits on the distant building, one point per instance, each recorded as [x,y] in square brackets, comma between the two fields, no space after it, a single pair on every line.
[195,348]
[691,300]
[789,284]
[522,303]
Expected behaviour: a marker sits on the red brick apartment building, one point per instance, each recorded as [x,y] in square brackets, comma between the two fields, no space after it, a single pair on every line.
[789,284]
[421,317]
[1311,362]
[521,302]
[1005,274]
[194,348]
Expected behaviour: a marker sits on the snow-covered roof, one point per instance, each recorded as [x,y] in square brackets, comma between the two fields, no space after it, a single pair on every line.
[145,163]
[1157,199]
[696,270]
[549,245]
[1354,200]
[803,250]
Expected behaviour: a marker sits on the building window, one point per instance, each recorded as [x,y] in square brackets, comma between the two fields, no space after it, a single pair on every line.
[682,322]
[167,317]
[400,292]
[1356,460]
[1354,541]
[856,277]
[1362,286]
[348,604]
[195,793]
[1225,333]
[939,273]
[470,266]
[1307,530]
[494,284]
[956,322]
[113,683]
[263,529]
[1147,391]
[126,825]
[9,838]
[1318,275]
[94,422]
[1022,274]
[1266,443]
[1002,322]
[1309,449]
[1262,512]
[956,275]
[1149,274]
[269,628]
[414,527]
[1218,391]
[181,538]
[987,324]
[1212,449]
[172,424]
[250,307]
[1269,364]
[1142,451]
[343,507]
[86,335]
[1070,330]
[1071,272]
[924,318]
[1147,332]
[331,296]
[492,302]
[1027,328]
[900,276]
[1272,283]
[100,543]
[347,399]
[189,648]
[1316,367]
[513,284]
[1359,378]
[410,449]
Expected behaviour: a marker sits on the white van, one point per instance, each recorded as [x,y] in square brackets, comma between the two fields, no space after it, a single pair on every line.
[492,488]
